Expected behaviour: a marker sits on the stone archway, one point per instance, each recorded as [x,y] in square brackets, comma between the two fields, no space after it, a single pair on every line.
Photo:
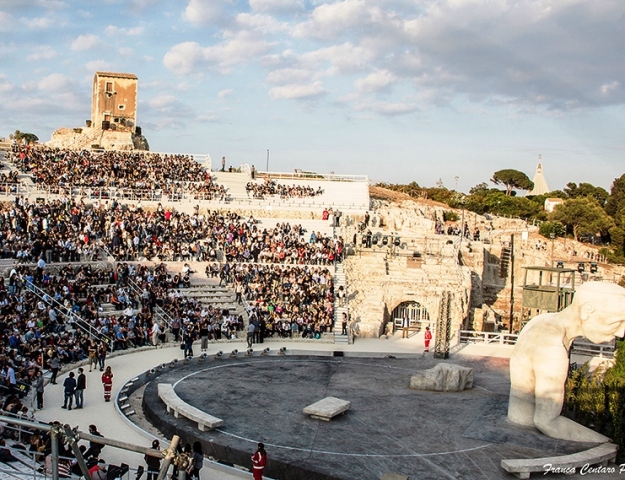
[417,314]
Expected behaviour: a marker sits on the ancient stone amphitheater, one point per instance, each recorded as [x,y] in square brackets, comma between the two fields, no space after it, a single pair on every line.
[382,254]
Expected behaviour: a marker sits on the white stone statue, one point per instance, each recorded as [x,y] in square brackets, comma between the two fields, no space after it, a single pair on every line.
[539,363]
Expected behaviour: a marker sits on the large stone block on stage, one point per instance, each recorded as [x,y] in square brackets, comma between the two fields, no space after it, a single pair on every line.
[444,377]
[394,476]
[327,408]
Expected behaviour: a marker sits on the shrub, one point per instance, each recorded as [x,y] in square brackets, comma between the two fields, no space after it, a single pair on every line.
[450,216]
[596,400]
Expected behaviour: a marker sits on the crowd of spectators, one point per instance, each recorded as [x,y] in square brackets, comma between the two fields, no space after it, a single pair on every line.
[52,315]
[288,301]
[173,175]
[66,231]
[270,187]
[63,231]
[205,190]
[51,166]
[11,177]
[37,320]
[457,230]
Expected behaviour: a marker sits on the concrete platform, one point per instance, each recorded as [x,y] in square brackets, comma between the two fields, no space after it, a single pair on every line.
[390,428]
[491,377]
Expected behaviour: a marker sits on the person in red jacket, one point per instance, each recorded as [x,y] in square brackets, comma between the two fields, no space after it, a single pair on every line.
[107,382]
[259,461]
[427,336]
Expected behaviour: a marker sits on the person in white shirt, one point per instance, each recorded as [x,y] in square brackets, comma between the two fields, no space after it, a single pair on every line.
[154,333]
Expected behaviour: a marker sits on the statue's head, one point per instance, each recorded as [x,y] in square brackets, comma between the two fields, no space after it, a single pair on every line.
[601,307]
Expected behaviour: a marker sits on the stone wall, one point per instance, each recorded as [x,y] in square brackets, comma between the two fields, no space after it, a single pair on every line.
[86,137]
[379,282]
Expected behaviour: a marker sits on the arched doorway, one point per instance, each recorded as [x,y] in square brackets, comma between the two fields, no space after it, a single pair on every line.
[417,314]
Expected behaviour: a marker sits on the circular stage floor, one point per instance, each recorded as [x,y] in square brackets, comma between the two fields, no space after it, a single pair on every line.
[389,428]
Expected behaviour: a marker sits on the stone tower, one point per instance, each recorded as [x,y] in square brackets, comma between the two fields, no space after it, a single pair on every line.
[114,102]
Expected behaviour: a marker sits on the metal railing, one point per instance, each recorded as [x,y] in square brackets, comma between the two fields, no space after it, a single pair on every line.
[496,338]
[579,346]
[301,175]
[69,315]
[27,465]
[160,314]
[8,189]
[124,194]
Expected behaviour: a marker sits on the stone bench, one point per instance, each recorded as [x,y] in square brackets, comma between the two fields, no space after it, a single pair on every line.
[174,403]
[567,464]
[327,408]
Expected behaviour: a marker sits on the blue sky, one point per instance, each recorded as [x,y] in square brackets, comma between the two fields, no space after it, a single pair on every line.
[397,90]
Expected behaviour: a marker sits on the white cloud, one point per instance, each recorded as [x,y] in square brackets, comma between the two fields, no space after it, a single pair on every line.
[608,88]
[203,11]
[98,65]
[225,93]
[276,5]
[85,42]
[126,51]
[43,52]
[56,82]
[296,91]
[332,19]
[387,108]
[6,21]
[52,4]
[5,86]
[39,23]
[183,58]
[162,101]
[344,58]
[208,118]
[377,80]
[238,48]
[260,22]
[112,30]
[288,75]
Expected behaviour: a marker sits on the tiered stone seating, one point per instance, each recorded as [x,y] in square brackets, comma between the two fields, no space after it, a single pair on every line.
[212,294]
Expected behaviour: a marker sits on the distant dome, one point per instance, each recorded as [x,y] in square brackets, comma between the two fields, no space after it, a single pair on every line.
[540,184]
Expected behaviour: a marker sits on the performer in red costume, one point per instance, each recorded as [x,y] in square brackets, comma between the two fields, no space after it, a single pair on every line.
[259,461]
[427,336]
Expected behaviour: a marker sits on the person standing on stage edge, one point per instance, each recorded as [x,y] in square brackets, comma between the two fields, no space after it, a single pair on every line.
[107,383]
[427,337]
[81,385]
[259,462]
[405,325]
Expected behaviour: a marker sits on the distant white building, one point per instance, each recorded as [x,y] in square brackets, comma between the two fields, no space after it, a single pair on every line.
[551,203]
[540,184]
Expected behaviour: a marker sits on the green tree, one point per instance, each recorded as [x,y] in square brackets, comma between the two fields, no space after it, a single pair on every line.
[616,201]
[512,179]
[556,194]
[573,190]
[479,188]
[443,195]
[23,136]
[582,215]
[547,228]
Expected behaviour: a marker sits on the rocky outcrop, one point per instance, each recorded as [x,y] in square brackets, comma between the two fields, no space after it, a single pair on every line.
[140,142]
[444,377]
